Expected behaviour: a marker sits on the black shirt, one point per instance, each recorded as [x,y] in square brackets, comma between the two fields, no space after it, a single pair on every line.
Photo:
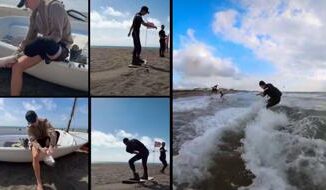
[272,91]
[137,22]
[162,153]
[136,145]
[162,35]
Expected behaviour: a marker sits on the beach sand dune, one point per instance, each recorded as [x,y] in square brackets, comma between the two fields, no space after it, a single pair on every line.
[70,172]
[110,74]
[110,175]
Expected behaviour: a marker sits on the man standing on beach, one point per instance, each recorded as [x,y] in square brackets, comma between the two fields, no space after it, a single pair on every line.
[43,139]
[270,90]
[134,146]
[162,41]
[135,29]
[163,157]
[50,19]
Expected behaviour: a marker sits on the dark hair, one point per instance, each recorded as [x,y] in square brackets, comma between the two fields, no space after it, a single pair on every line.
[144,8]
[125,140]
[31,116]
[261,83]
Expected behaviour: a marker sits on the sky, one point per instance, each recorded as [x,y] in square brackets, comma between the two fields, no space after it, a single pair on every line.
[146,119]
[79,5]
[56,110]
[238,43]
[111,21]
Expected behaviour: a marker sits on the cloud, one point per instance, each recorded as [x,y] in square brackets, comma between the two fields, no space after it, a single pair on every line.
[113,30]
[49,104]
[31,105]
[111,12]
[2,103]
[196,59]
[290,34]
[112,144]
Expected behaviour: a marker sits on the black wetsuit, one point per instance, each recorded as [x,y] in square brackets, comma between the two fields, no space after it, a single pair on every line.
[136,23]
[162,42]
[135,145]
[163,158]
[274,94]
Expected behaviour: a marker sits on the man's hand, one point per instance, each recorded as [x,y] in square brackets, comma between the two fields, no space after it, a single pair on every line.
[44,150]
[259,94]
[49,151]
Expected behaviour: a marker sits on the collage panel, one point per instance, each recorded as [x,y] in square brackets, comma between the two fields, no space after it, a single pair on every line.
[249,95]
[130,143]
[44,143]
[130,48]
[44,48]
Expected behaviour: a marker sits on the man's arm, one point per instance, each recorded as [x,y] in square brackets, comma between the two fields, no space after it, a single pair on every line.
[58,16]
[148,24]
[52,134]
[131,28]
[31,34]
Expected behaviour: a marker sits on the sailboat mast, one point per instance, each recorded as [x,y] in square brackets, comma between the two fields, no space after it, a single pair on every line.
[72,114]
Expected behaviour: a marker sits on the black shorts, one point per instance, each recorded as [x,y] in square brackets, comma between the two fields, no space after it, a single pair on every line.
[273,101]
[43,47]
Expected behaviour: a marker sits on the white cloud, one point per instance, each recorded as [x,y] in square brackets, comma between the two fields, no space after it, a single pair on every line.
[113,31]
[290,35]
[196,59]
[2,103]
[112,145]
[111,12]
[49,104]
[31,105]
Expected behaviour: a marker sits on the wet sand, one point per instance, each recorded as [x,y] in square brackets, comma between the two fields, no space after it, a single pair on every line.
[32,86]
[110,175]
[110,74]
[70,172]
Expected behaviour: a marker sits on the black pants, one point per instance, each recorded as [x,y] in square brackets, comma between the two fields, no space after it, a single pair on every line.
[165,164]
[273,101]
[137,46]
[43,47]
[144,157]
[162,47]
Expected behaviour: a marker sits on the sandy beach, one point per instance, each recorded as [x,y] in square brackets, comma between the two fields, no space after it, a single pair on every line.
[110,74]
[32,86]
[110,175]
[70,172]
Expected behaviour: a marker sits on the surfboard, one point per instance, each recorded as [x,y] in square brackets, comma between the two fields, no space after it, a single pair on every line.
[132,181]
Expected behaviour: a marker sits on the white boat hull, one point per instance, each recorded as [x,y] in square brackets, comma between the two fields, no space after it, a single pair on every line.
[61,73]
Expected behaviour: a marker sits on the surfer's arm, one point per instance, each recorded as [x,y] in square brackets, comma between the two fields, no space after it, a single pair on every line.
[34,142]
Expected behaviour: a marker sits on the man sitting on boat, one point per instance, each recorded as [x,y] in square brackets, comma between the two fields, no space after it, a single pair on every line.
[50,19]
[43,139]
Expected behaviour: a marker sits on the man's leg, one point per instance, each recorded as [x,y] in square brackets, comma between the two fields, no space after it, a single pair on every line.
[23,63]
[36,167]
[272,102]
[132,165]
[144,162]
[165,164]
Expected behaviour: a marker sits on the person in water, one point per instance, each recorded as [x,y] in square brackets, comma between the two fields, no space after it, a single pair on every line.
[163,38]
[163,157]
[135,30]
[49,19]
[273,93]
[43,139]
[134,146]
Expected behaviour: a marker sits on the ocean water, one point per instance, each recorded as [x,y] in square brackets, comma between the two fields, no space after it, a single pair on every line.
[235,143]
